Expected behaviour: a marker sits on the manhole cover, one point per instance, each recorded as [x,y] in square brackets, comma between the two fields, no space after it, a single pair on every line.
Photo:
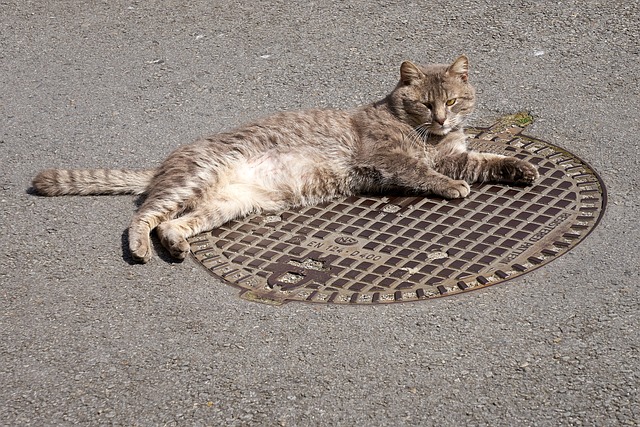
[362,250]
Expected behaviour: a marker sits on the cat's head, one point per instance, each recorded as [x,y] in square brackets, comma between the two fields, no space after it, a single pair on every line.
[436,98]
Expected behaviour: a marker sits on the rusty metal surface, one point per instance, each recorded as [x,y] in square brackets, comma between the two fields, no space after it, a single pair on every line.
[363,250]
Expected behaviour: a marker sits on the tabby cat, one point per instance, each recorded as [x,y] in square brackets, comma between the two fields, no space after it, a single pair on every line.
[412,139]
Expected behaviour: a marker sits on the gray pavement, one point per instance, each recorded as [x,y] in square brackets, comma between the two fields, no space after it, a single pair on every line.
[86,338]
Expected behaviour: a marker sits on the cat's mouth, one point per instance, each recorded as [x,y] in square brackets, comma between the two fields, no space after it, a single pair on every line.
[438,129]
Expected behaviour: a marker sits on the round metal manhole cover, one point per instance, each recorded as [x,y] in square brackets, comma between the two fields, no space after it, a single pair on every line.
[362,250]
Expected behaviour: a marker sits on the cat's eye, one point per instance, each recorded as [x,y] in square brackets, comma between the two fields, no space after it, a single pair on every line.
[450,102]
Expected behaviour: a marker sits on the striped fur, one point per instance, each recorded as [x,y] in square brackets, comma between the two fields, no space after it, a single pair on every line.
[411,139]
[84,182]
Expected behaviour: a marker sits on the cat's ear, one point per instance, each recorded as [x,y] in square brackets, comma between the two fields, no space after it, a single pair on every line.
[410,73]
[460,68]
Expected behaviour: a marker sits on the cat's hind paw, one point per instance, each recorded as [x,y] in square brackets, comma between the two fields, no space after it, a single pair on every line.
[140,250]
[179,249]
[173,241]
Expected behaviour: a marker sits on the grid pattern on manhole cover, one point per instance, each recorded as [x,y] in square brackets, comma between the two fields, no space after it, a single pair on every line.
[389,249]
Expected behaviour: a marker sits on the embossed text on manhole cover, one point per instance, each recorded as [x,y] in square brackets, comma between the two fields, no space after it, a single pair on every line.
[363,250]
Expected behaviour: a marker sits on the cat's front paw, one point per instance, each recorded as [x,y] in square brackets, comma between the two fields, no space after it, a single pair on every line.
[453,189]
[518,171]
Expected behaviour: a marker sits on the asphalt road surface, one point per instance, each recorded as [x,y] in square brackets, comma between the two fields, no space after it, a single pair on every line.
[87,338]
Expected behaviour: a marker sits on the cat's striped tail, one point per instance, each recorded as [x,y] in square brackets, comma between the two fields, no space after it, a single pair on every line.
[59,182]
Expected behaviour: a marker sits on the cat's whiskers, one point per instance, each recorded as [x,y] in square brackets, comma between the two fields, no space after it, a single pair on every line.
[414,140]
[424,132]
[419,136]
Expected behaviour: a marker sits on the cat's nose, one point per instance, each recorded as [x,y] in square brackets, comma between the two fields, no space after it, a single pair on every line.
[440,120]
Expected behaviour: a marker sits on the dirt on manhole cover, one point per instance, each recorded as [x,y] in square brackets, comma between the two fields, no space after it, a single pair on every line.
[362,250]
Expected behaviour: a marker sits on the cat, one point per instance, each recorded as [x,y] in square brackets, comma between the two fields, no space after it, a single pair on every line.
[412,139]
